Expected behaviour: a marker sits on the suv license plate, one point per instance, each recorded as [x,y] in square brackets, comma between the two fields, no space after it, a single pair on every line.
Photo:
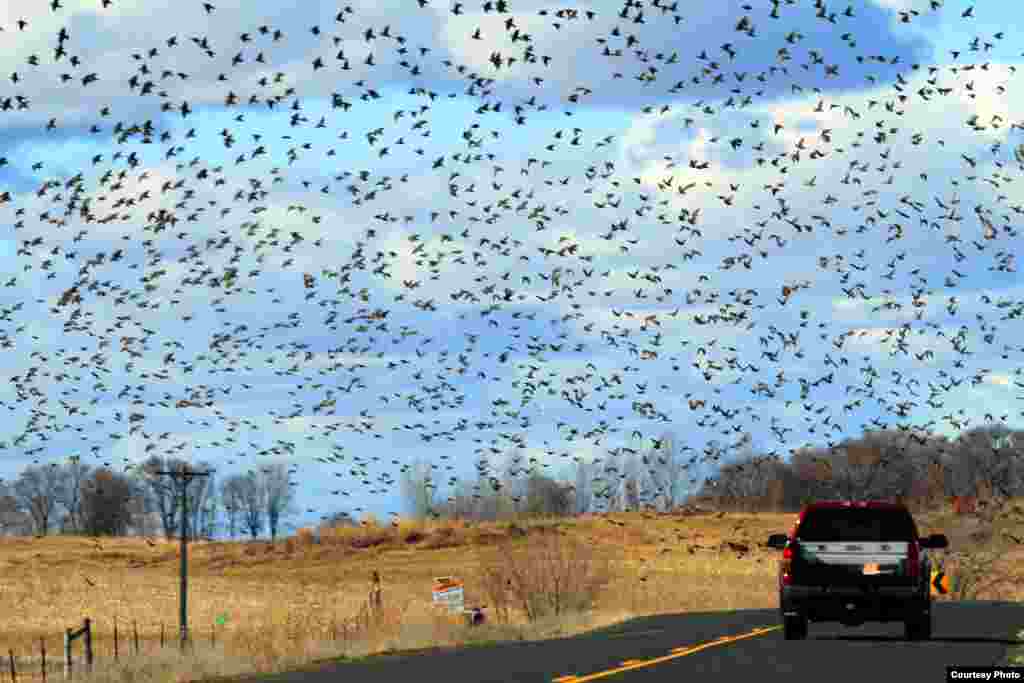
[871,569]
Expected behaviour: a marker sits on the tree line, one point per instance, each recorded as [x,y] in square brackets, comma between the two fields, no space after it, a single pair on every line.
[918,468]
[911,465]
[76,498]
[79,499]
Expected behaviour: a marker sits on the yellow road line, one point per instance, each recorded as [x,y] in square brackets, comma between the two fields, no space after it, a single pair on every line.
[674,654]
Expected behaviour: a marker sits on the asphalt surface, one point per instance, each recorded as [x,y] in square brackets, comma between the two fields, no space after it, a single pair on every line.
[969,633]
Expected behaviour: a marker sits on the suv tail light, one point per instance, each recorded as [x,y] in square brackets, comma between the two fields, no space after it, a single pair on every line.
[913,560]
[786,565]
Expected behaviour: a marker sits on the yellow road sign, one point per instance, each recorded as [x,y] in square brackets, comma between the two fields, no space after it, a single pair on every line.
[940,583]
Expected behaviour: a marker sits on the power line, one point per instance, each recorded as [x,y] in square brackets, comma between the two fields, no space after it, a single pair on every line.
[183,476]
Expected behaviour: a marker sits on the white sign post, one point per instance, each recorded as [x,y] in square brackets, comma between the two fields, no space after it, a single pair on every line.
[448,594]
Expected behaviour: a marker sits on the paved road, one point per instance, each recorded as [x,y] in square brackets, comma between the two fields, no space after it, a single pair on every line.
[976,633]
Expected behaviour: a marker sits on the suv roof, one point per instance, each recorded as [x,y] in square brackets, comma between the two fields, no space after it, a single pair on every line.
[870,504]
[900,524]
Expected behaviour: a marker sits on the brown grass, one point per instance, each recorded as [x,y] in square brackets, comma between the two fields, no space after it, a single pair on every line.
[296,602]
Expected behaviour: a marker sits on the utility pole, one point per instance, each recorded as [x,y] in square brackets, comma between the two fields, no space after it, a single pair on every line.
[184,477]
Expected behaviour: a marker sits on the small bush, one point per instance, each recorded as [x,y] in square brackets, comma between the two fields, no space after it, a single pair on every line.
[370,538]
[305,537]
[969,572]
[443,537]
[410,531]
[554,574]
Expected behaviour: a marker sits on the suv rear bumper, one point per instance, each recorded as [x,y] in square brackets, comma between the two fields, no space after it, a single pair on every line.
[852,604]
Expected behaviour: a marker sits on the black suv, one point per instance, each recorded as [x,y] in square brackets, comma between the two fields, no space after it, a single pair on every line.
[854,562]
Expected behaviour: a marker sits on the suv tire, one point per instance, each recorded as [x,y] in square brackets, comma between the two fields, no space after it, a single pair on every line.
[794,628]
[919,627]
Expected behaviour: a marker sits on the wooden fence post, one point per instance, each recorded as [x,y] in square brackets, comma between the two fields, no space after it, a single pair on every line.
[375,590]
[161,635]
[69,637]
[88,644]
[115,638]
[67,654]
[42,649]
[14,675]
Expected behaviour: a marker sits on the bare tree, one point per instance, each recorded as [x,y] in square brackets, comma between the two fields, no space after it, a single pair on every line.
[208,521]
[546,496]
[277,495]
[513,478]
[200,490]
[487,490]
[584,478]
[461,504]
[657,472]
[744,482]
[488,505]
[417,489]
[987,456]
[73,475]
[164,491]
[37,490]
[141,512]
[13,517]
[106,498]
[608,482]
[232,495]
[252,500]
[488,498]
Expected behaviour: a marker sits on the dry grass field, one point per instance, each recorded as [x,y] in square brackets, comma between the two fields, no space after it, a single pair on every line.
[294,602]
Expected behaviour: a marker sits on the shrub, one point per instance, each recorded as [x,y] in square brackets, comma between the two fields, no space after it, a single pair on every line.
[370,538]
[305,537]
[969,571]
[443,537]
[554,574]
[409,530]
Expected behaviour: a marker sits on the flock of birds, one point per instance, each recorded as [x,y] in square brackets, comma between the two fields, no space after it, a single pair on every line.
[553,327]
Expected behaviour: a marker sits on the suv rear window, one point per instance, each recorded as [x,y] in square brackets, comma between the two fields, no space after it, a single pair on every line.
[856,524]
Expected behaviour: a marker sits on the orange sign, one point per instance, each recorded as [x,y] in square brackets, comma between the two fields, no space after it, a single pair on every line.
[448,593]
[446,582]
[940,583]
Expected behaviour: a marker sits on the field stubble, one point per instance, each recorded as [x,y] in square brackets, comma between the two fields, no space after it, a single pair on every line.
[295,602]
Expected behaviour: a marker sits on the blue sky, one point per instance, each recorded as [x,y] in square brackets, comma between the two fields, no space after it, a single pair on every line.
[293,349]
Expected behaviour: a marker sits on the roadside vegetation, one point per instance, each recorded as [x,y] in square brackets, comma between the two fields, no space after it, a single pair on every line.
[548,557]
[299,601]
